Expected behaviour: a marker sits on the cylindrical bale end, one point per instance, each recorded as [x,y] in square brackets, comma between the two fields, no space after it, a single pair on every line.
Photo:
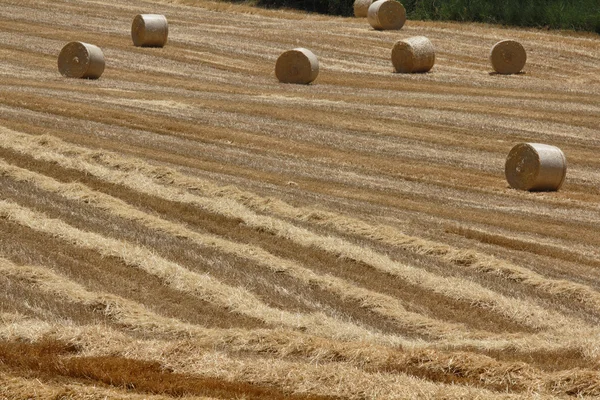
[415,54]
[297,66]
[508,57]
[535,167]
[361,8]
[386,15]
[81,60]
[150,30]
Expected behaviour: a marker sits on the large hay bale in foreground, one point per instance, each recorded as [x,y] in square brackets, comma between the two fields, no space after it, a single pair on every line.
[508,57]
[535,167]
[297,66]
[415,54]
[81,60]
[150,30]
[361,8]
[386,15]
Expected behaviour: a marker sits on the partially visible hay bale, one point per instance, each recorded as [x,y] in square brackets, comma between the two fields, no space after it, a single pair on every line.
[508,57]
[81,60]
[149,30]
[415,54]
[361,8]
[536,167]
[386,15]
[297,66]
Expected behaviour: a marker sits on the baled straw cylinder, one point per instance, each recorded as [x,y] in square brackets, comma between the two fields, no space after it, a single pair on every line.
[297,66]
[150,30]
[535,167]
[361,8]
[386,15]
[81,60]
[415,54]
[508,57]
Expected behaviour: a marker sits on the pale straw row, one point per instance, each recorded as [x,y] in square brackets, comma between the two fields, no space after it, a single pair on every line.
[132,316]
[468,259]
[202,286]
[49,149]
[18,387]
[381,304]
[124,312]
[187,340]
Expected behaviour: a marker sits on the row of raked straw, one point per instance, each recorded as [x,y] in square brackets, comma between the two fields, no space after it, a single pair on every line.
[529,166]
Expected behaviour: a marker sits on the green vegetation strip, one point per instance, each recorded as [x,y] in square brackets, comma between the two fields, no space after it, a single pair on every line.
[558,14]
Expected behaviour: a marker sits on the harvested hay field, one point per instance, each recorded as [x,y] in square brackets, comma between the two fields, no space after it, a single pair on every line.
[186,225]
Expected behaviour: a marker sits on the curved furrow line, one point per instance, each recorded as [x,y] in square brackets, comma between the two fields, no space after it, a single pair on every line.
[464,259]
[520,311]
[133,317]
[15,386]
[203,286]
[470,259]
[384,305]
[429,364]
[437,366]
[343,380]
[126,313]
[277,289]
[461,258]
[19,298]
[337,379]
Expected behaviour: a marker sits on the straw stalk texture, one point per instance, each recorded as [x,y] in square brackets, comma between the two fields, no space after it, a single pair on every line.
[415,54]
[535,167]
[81,60]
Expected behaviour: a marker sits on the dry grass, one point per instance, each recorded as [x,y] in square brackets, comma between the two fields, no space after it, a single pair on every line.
[524,313]
[188,226]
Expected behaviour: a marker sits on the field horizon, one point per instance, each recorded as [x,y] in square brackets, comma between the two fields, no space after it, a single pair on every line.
[188,227]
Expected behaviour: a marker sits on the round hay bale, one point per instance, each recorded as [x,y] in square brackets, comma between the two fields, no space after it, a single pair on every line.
[297,66]
[361,8]
[386,15]
[149,30]
[415,54]
[535,167]
[508,57]
[81,60]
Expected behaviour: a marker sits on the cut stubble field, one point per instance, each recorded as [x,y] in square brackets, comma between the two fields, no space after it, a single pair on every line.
[187,226]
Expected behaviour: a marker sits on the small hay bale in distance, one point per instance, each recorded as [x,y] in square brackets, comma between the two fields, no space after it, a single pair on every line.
[297,66]
[535,167]
[415,54]
[508,57]
[361,8]
[149,30]
[386,15]
[81,60]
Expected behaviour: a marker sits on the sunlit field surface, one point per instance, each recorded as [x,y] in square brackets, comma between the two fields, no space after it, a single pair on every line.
[188,226]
